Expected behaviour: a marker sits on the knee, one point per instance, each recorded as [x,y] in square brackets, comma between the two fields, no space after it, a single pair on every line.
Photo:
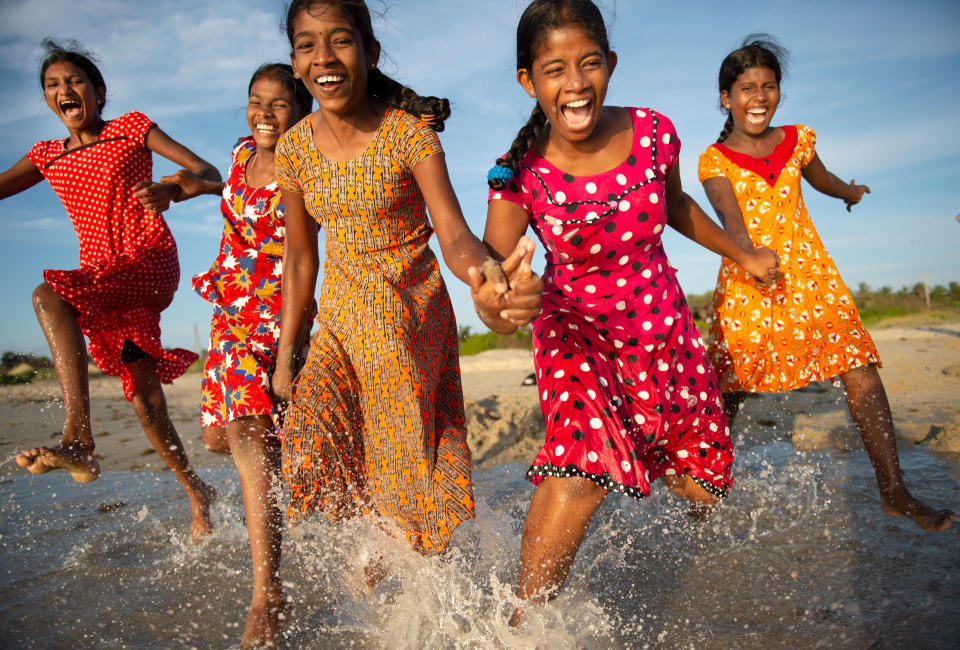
[149,407]
[215,440]
[45,298]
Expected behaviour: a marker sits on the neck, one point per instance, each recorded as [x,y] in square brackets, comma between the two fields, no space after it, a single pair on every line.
[342,126]
[85,136]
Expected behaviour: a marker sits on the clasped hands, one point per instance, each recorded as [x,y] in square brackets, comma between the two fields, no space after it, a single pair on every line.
[507,294]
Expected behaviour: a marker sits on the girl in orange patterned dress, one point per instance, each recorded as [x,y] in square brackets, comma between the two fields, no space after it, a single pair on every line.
[375,421]
[806,328]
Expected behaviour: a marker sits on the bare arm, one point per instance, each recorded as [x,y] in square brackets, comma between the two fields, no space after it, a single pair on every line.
[23,175]
[826,182]
[503,304]
[686,217]
[157,196]
[724,201]
[301,262]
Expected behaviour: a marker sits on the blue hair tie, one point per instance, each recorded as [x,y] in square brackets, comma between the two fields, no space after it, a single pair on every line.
[499,173]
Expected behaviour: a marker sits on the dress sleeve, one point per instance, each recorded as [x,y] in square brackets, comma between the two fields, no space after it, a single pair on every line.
[288,157]
[417,140]
[516,191]
[39,154]
[806,144]
[668,143]
[135,126]
[710,165]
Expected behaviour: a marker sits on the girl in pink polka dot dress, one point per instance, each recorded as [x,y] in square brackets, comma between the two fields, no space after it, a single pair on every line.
[128,268]
[625,387]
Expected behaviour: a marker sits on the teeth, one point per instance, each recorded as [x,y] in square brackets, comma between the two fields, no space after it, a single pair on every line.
[266,127]
[330,78]
[577,104]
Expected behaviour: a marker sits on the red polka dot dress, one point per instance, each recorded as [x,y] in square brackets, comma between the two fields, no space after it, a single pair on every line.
[626,389]
[129,269]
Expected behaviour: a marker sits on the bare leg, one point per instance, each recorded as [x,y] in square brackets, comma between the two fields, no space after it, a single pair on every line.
[58,319]
[257,458]
[557,519]
[870,410]
[150,405]
[732,403]
[215,440]
[701,501]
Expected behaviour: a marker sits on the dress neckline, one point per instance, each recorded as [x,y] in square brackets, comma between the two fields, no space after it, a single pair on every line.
[768,167]
[387,115]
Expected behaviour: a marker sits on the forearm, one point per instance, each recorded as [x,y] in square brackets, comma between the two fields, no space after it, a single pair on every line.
[463,252]
[686,217]
[299,286]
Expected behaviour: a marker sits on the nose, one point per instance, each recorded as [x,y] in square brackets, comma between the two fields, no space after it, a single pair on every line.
[322,53]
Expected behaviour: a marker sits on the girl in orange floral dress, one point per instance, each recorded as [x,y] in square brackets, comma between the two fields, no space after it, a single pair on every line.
[806,328]
[375,422]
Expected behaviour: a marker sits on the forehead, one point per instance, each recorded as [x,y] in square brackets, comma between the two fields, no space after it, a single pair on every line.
[321,16]
[63,69]
[269,87]
[758,74]
[570,39]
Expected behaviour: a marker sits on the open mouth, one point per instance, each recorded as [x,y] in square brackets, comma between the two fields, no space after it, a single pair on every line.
[70,108]
[757,115]
[577,112]
[265,129]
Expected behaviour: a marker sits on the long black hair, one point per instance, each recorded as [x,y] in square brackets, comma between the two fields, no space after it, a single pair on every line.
[757,51]
[541,17]
[433,110]
[282,73]
[72,52]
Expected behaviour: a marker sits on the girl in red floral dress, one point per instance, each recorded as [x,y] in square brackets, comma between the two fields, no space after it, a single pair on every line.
[128,268]
[244,286]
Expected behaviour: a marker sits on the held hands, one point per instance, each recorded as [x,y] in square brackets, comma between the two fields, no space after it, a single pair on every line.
[156,197]
[764,265]
[191,185]
[507,295]
[856,193]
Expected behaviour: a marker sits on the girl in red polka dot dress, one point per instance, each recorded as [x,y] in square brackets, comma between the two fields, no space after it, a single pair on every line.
[128,268]
[626,390]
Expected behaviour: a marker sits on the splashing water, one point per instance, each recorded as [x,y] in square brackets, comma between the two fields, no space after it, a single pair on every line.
[799,555]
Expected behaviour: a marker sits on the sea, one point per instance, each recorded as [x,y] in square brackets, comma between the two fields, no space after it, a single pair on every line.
[800,556]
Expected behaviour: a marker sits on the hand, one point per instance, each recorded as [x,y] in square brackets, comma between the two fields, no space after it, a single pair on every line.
[281,383]
[191,185]
[764,265]
[155,197]
[857,192]
[526,287]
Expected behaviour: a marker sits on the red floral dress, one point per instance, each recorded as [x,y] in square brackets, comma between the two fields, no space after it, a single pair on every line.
[129,269]
[626,389]
[244,285]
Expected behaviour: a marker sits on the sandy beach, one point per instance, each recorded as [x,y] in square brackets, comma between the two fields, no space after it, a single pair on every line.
[921,372]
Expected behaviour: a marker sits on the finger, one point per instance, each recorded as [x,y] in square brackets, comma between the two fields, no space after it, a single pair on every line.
[475,279]
[494,274]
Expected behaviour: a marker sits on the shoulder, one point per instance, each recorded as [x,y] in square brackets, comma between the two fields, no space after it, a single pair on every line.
[244,148]
[42,151]
[295,138]
[805,134]
[414,138]
[134,121]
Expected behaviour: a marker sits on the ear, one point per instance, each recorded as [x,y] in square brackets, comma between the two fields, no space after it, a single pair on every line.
[373,54]
[293,64]
[525,79]
[101,96]
[725,99]
[611,62]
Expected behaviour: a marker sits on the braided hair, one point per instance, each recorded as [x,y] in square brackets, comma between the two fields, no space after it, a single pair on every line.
[432,110]
[757,51]
[541,17]
[72,52]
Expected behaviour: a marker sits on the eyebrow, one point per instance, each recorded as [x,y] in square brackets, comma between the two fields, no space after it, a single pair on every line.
[560,60]
[332,31]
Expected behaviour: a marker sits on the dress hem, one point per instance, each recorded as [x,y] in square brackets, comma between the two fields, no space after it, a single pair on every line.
[609,484]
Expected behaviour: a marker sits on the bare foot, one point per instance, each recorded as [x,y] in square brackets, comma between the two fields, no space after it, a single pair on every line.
[374,572]
[265,622]
[904,504]
[200,502]
[81,464]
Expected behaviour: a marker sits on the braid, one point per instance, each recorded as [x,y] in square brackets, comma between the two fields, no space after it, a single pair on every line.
[432,110]
[526,138]
[727,128]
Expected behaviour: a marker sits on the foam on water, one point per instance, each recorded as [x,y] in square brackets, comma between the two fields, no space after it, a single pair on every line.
[799,555]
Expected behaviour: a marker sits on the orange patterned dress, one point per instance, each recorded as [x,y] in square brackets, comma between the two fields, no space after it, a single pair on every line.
[376,423]
[804,329]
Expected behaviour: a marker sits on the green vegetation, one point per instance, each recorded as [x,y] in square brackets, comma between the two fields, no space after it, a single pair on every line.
[473,343]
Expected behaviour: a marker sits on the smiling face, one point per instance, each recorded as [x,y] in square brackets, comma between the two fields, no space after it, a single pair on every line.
[329,55]
[271,110]
[71,95]
[569,79]
[752,100]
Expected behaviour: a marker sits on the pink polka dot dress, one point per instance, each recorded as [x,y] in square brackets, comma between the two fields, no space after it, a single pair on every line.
[626,390]
[129,269]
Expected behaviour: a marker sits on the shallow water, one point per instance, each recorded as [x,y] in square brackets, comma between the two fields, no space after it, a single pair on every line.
[800,555]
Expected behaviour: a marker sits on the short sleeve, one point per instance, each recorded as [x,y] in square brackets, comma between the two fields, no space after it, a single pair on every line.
[710,164]
[418,141]
[39,153]
[668,145]
[288,158]
[135,126]
[806,144]
[513,192]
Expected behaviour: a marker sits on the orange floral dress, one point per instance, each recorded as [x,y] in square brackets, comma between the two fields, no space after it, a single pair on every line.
[376,423]
[804,329]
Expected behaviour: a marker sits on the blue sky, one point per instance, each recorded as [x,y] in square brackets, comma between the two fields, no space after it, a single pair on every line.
[878,81]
